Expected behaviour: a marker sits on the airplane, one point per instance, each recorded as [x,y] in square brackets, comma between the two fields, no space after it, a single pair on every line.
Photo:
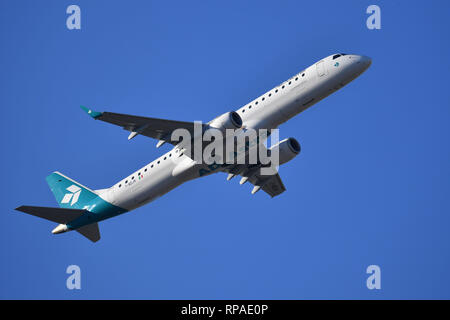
[81,208]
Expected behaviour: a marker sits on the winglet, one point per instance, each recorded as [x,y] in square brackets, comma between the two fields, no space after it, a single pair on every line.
[92,113]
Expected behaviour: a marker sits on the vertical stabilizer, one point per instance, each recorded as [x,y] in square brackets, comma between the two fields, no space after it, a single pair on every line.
[69,193]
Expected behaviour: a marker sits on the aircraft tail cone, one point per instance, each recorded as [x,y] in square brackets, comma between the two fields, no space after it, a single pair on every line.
[61,228]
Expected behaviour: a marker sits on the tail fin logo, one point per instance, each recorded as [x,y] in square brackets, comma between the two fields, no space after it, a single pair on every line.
[73,195]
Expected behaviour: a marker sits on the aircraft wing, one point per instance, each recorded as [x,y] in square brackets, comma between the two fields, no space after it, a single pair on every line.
[271,184]
[160,129]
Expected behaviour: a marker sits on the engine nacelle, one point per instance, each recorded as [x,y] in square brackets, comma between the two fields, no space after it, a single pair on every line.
[288,149]
[229,120]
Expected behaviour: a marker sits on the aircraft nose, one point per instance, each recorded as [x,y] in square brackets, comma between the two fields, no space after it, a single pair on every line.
[362,63]
[366,60]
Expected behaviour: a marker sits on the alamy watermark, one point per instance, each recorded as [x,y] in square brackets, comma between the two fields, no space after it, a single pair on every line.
[374,20]
[74,280]
[222,147]
[374,280]
[73,22]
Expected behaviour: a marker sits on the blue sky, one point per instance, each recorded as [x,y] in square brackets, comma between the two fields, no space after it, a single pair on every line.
[371,185]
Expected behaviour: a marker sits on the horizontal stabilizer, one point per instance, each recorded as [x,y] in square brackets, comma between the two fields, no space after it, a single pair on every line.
[90,231]
[59,215]
[63,216]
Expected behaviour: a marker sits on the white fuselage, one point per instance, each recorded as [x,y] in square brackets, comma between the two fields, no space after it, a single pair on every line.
[266,112]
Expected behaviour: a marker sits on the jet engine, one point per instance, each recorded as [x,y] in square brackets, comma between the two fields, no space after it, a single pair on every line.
[288,149]
[229,120]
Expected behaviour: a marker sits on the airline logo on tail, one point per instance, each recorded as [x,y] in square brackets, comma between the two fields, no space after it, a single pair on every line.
[73,195]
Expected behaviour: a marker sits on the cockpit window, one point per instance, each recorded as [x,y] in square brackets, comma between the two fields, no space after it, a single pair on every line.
[336,56]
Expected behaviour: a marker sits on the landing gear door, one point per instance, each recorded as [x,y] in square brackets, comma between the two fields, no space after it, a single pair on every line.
[320,66]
